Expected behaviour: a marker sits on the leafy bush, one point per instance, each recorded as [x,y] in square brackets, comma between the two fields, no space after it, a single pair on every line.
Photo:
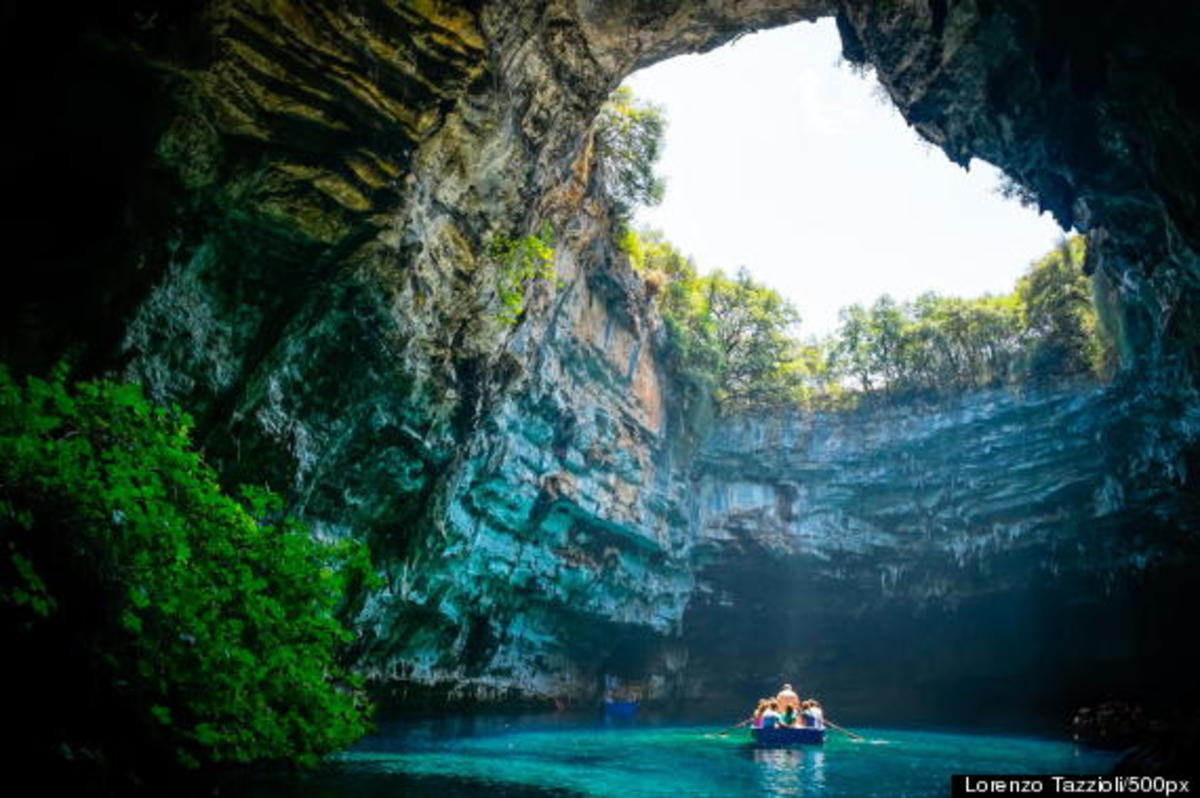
[151,615]
[521,263]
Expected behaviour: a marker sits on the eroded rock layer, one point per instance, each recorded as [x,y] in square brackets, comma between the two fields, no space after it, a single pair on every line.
[278,214]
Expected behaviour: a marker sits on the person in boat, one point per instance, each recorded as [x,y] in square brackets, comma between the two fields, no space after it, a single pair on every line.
[812,714]
[787,698]
[771,718]
[756,719]
[790,716]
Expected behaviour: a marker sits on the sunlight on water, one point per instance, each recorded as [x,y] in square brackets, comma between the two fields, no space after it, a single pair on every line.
[639,760]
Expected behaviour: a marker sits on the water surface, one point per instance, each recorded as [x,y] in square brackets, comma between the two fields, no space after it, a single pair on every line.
[574,756]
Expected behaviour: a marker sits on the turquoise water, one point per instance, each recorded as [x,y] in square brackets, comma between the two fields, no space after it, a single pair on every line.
[561,757]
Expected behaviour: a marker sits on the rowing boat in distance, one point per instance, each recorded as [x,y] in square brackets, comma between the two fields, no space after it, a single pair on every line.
[620,709]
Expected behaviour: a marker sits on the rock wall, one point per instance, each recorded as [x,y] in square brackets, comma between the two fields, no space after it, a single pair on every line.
[278,214]
[995,557]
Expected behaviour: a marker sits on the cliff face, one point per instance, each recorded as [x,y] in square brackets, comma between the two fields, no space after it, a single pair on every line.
[1001,554]
[286,210]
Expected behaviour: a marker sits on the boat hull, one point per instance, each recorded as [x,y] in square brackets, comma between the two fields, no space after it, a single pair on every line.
[776,737]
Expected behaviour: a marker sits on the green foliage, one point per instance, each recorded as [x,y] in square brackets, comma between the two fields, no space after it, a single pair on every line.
[654,258]
[1046,328]
[161,614]
[520,264]
[731,341]
[1059,315]
[651,254]
[939,344]
[751,327]
[728,338]
[629,140]
[692,353]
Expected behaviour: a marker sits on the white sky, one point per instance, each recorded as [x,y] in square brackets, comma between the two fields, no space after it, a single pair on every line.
[782,161]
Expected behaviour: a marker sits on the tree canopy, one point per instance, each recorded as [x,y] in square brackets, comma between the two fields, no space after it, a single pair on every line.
[1046,328]
[735,340]
[728,336]
[629,140]
[159,619]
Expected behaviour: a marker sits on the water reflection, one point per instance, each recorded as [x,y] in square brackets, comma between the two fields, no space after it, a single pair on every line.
[586,756]
[790,771]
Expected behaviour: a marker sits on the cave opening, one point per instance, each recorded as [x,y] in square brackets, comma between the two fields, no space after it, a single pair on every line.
[781,157]
[933,599]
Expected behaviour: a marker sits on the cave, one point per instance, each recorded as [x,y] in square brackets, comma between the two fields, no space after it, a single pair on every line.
[277,216]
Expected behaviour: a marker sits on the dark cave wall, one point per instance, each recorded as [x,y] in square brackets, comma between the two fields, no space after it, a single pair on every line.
[1017,659]
[277,214]
[1000,559]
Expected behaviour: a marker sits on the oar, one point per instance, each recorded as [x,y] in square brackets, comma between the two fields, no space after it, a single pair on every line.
[843,729]
[726,731]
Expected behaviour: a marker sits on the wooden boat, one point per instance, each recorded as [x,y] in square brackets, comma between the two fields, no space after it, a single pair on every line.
[784,735]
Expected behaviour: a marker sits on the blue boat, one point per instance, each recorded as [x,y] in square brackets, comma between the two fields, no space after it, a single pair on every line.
[620,709]
[778,736]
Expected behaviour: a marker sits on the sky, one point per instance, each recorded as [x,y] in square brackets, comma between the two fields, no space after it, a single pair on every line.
[781,160]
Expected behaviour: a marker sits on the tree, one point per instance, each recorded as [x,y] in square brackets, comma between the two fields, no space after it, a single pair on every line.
[961,344]
[649,251]
[1059,317]
[1046,327]
[732,338]
[886,328]
[733,341]
[158,619]
[852,352]
[752,327]
[629,140]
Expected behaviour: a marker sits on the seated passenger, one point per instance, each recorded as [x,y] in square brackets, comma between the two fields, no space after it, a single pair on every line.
[789,716]
[787,697]
[756,722]
[813,714]
[770,718]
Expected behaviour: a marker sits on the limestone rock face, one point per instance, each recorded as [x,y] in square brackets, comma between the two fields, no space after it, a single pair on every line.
[890,554]
[278,214]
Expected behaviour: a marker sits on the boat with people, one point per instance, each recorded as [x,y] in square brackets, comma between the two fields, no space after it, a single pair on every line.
[786,720]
